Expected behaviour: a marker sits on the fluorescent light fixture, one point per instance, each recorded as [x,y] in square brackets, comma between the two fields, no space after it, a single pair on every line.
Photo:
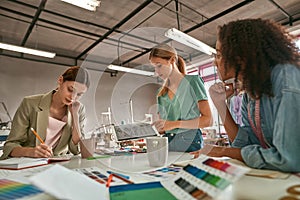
[200,63]
[183,38]
[130,70]
[86,4]
[26,50]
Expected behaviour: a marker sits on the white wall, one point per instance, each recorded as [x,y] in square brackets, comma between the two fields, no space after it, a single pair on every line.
[19,78]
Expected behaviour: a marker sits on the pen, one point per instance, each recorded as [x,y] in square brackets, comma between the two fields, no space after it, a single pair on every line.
[122,175]
[37,135]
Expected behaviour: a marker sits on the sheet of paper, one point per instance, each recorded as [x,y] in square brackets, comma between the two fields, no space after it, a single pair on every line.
[64,183]
[23,175]
[262,172]
[4,173]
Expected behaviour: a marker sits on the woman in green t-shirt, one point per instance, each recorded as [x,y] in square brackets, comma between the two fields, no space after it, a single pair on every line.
[183,107]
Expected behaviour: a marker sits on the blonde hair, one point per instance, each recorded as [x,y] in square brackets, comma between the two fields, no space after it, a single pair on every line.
[167,52]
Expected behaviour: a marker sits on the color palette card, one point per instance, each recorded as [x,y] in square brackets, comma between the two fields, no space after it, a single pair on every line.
[164,172]
[14,190]
[98,175]
[203,178]
[221,168]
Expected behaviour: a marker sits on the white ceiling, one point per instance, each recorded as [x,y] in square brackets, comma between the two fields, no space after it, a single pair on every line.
[75,34]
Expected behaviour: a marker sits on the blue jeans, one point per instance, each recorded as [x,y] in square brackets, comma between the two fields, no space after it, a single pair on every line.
[187,141]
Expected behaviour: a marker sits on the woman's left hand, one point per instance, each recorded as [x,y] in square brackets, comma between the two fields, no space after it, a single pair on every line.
[74,107]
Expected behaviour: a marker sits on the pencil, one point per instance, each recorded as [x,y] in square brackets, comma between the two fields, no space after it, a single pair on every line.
[37,135]
[122,178]
[97,157]
[109,180]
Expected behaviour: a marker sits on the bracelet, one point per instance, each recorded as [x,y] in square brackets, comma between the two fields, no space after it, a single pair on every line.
[294,189]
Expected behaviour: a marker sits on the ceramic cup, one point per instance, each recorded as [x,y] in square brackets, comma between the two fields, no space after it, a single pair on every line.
[157,151]
[87,147]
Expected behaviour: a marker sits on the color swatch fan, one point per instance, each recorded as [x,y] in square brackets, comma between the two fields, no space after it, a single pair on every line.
[204,178]
[14,190]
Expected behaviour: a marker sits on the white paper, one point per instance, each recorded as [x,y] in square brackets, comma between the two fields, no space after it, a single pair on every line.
[63,183]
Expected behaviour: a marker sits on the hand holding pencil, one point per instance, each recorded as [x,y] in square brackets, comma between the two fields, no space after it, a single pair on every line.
[42,150]
[37,135]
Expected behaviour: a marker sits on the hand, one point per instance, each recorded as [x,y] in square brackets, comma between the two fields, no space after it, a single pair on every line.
[159,125]
[218,93]
[74,107]
[209,150]
[42,151]
[163,125]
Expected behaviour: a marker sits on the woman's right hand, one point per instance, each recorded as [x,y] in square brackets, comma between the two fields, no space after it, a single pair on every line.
[219,92]
[41,151]
[159,125]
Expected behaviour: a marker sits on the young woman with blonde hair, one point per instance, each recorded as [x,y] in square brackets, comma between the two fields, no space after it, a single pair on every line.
[182,101]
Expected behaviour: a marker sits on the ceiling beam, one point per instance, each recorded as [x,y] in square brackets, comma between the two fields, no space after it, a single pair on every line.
[177,15]
[69,27]
[284,12]
[34,20]
[123,21]
[221,14]
[77,20]
[225,12]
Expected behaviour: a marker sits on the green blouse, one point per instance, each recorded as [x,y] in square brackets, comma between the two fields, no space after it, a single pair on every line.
[184,104]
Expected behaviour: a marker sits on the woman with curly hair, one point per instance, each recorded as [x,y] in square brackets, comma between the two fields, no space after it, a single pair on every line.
[263,56]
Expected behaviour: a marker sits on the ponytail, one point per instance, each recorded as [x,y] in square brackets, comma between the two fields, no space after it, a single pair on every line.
[181,65]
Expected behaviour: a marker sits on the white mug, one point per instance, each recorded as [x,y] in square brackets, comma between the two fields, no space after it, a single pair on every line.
[157,151]
[87,147]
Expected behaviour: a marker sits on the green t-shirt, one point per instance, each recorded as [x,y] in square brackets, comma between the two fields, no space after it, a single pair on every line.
[184,105]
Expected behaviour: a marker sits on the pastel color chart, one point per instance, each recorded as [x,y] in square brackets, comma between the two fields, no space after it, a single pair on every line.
[223,166]
[97,175]
[165,172]
[14,190]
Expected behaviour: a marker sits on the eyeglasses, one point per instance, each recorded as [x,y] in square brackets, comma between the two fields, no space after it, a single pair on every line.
[217,56]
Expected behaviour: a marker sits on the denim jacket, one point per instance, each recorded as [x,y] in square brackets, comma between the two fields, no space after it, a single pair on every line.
[280,122]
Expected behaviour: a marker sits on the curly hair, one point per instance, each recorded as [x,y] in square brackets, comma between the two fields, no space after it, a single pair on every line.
[253,47]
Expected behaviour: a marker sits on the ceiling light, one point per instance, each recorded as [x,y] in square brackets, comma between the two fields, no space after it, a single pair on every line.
[86,4]
[200,63]
[26,50]
[130,70]
[183,38]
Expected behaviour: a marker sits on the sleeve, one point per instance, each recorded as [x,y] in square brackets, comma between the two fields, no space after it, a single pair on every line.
[284,154]
[197,84]
[18,133]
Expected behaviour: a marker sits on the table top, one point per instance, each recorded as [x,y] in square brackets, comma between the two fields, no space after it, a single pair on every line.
[247,187]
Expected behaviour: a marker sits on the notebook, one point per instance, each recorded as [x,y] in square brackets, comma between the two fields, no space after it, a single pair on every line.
[24,162]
